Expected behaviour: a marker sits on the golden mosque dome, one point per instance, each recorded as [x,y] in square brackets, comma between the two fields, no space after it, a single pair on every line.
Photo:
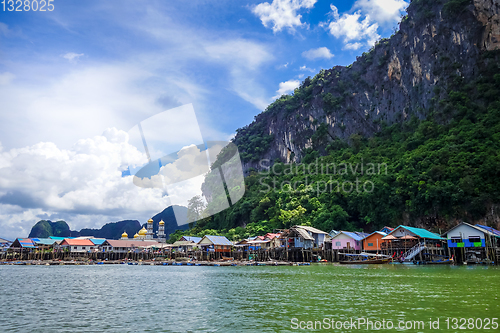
[150,221]
[162,223]
[124,235]
[143,231]
[136,235]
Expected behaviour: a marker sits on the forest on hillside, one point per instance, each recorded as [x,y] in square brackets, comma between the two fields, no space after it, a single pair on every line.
[443,169]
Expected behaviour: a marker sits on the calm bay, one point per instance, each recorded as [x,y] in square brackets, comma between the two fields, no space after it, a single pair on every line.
[123,298]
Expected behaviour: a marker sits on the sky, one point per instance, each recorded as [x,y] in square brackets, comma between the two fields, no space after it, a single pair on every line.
[75,80]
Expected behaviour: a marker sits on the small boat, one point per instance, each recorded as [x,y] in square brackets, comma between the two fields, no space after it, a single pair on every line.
[366,259]
[440,262]
[227,258]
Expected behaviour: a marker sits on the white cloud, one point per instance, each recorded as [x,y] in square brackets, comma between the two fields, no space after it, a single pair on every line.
[382,11]
[57,102]
[320,52]
[44,181]
[353,28]
[72,56]
[287,87]
[243,59]
[305,68]
[282,13]
[352,46]
[6,78]
[10,33]
[4,29]
[80,103]
[242,52]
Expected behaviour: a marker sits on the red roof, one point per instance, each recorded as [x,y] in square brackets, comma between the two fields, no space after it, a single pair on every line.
[271,236]
[77,242]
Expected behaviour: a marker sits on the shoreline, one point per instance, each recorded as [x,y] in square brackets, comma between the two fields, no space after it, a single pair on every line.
[149,263]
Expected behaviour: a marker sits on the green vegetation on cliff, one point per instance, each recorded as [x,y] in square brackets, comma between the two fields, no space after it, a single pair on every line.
[444,167]
[44,229]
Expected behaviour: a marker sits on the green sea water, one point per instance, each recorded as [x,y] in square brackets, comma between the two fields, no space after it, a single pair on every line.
[123,298]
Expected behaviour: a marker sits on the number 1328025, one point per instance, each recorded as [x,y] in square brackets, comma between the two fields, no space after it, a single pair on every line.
[27,5]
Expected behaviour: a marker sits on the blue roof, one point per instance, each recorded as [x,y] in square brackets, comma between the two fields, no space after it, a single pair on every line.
[44,241]
[422,233]
[192,239]
[355,235]
[25,242]
[490,229]
[219,240]
[97,241]
[60,238]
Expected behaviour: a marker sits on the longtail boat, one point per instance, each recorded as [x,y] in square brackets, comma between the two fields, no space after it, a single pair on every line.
[368,259]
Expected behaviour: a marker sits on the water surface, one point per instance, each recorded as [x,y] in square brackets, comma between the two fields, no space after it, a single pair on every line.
[123,298]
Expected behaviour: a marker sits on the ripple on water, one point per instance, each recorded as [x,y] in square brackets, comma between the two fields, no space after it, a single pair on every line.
[123,298]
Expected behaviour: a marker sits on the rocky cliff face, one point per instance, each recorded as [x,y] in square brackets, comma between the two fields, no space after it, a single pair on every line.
[437,47]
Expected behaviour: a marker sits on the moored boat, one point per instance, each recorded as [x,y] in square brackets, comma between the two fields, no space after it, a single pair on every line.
[366,261]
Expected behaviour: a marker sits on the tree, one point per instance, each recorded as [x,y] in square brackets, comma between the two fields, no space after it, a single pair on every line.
[196,206]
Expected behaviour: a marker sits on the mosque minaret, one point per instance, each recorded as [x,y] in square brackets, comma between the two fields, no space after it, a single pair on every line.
[161,232]
[149,234]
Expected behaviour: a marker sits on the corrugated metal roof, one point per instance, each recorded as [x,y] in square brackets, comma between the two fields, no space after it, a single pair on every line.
[311,229]
[218,240]
[25,243]
[97,241]
[191,239]
[386,228]
[60,238]
[354,235]
[490,229]
[184,243]
[4,240]
[271,235]
[77,242]
[303,233]
[43,241]
[422,233]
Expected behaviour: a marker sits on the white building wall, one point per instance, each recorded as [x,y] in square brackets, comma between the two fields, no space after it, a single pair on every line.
[464,231]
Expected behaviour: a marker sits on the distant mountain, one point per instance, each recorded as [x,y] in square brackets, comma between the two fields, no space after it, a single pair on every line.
[112,230]
[44,229]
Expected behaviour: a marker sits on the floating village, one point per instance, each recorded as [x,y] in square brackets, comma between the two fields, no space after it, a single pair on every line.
[299,245]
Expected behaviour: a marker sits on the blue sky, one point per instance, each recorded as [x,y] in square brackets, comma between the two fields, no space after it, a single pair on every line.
[72,79]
